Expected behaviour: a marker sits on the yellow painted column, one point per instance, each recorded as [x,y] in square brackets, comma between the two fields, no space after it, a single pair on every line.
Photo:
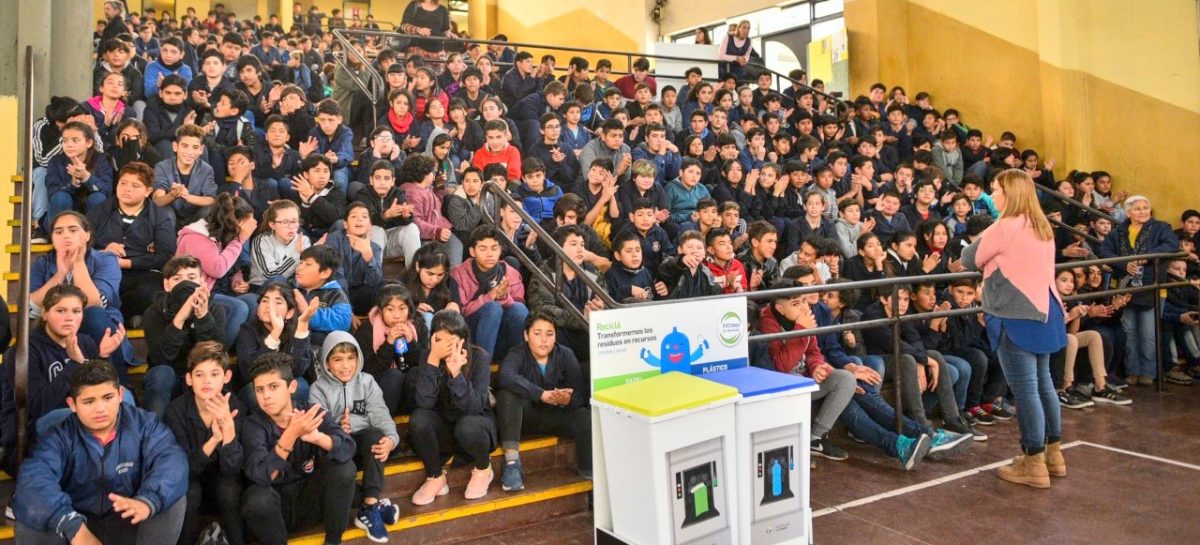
[478,17]
[878,40]
[284,9]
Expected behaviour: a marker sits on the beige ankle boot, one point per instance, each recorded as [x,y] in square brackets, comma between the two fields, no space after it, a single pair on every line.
[1056,465]
[1028,470]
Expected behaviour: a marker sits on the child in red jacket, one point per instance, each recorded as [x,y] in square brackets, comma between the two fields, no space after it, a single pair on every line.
[802,356]
[729,273]
[496,149]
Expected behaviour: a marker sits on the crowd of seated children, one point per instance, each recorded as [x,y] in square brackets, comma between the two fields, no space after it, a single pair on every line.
[266,228]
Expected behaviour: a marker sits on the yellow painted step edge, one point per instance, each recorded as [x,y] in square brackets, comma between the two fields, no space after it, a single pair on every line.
[404,467]
[34,249]
[501,501]
[416,465]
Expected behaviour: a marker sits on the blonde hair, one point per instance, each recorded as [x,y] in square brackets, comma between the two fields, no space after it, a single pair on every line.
[1021,200]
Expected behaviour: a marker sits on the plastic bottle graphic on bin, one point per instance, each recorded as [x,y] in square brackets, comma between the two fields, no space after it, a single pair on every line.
[779,463]
[700,498]
[675,353]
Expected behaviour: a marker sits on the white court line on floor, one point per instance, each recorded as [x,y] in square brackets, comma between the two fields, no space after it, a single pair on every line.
[1142,455]
[921,486]
[983,468]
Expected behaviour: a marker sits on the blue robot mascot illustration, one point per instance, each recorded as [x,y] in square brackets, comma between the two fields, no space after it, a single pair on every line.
[675,353]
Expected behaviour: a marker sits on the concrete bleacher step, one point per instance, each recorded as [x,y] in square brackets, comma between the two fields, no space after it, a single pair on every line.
[553,486]
[553,489]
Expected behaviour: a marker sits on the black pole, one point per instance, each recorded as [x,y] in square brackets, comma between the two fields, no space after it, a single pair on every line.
[21,360]
[1158,344]
[896,361]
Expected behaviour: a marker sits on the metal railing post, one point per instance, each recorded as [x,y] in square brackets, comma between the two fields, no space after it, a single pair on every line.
[896,383]
[1158,340]
[21,371]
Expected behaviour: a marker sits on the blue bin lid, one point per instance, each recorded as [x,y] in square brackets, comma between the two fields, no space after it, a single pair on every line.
[753,381]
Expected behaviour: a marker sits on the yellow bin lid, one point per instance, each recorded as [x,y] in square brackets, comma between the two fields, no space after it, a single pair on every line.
[665,394]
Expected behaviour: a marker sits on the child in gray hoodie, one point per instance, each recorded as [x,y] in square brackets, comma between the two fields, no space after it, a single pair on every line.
[356,401]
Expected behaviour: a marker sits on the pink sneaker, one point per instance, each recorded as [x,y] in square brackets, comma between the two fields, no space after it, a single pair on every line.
[429,491]
[478,486]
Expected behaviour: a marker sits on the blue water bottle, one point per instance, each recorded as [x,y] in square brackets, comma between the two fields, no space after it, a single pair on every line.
[401,347]
[776,479]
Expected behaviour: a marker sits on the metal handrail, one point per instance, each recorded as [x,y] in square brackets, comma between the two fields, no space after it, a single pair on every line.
[1074,231]
[559,254]
[21,355]
[780,78]
[1078,204]
[517,45]
[1118,259]
[628,55]
[375,81]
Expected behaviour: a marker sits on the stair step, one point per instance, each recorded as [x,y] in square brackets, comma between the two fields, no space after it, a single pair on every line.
[15,199]
[17,179]
[537,454]
[15,249]
[560,489]
[547,495]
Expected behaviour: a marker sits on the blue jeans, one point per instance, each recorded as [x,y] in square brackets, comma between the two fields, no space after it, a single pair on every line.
[978,360]
[1039,416]
[873,362]
[61,201]
[960,375]
[341,178]
[53,417]
[496,329]
[160,386]
[236,314]
[871,419]
[39,196]
[98,320]
[1140,344]
[1114,343]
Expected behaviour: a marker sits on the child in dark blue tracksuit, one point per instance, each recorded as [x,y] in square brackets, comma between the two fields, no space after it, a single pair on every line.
[92,471]
[656,242]
[334,138]
[542,389]
[628,278]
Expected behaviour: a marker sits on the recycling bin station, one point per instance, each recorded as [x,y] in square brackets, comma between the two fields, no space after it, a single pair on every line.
[669,449]
[771,448]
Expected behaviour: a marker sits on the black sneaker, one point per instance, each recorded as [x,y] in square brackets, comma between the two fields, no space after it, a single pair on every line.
[1110,396]
[822,447]
[981,416]
[999,409]
[1078,394]
[1068,400]
[958,426]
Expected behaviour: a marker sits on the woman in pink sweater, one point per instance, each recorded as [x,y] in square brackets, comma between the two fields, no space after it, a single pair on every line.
[216,240]
[1024,321]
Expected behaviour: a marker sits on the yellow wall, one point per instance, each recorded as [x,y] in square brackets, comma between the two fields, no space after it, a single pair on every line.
[8,165]
[1094,84]
[613,26]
